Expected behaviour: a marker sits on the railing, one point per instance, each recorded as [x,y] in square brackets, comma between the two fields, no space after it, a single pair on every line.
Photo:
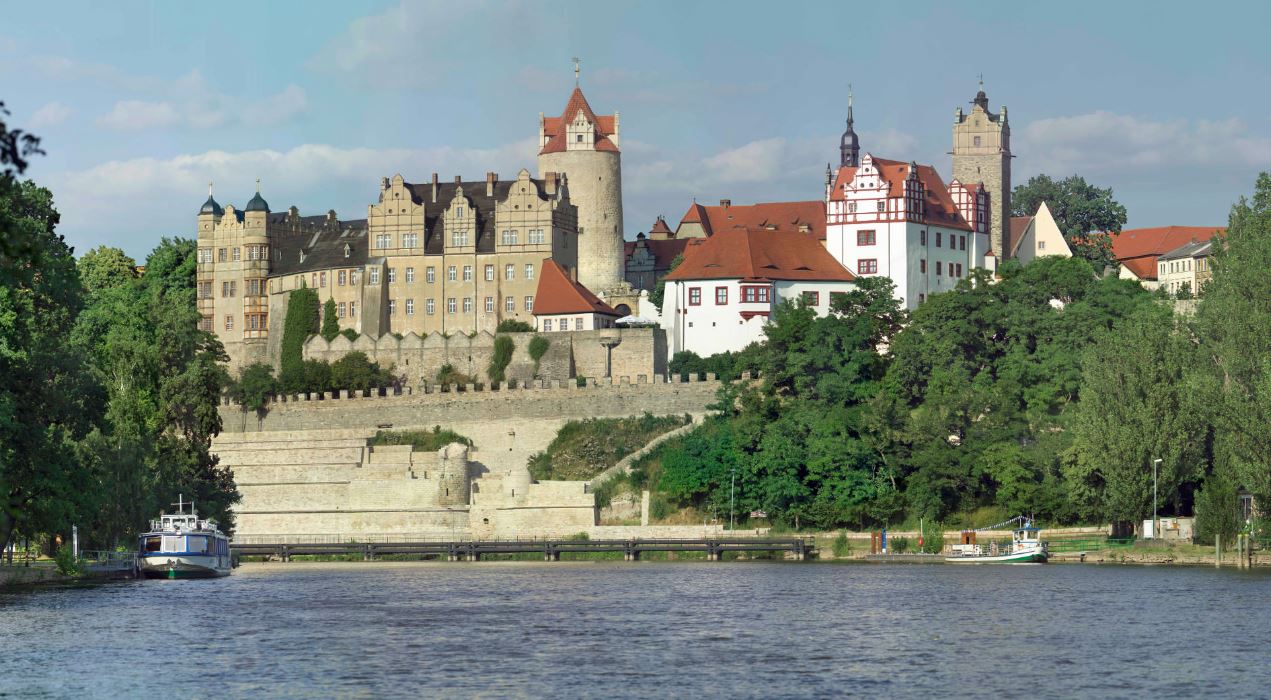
[109,562]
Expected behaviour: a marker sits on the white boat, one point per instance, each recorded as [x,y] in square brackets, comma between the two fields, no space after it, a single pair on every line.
[1026,547]
[182,545]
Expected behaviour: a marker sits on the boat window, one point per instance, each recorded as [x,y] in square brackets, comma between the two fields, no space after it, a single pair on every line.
[173,543]
[196,544]
[154,544]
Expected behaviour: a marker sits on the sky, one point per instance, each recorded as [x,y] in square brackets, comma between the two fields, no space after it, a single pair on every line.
[141,104]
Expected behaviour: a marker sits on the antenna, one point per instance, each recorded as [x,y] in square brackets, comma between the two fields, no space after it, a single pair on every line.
[209,188]
[257,185]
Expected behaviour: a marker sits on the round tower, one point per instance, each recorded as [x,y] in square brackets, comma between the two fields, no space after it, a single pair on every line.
[584,146]
[452,475]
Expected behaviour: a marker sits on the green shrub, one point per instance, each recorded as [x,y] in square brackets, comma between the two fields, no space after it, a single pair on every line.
[350,334]
[422,440]
[659,506]
[842,546]
[330,321]
[503,348]
[580,381]
[449,375]
[538,347]
[583,449]
[254,386]
[898,545]
[511,325]
[67,564]
[932,537]
[356,371]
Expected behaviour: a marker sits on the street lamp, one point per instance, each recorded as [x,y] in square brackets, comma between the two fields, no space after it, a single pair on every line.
[732,491]
[1155,527]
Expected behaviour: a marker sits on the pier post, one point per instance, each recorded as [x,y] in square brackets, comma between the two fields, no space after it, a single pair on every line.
[1217,551]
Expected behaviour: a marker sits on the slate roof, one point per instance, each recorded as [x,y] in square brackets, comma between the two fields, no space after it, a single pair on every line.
[483,206]
[1195,249]
[322,241]
[749,254]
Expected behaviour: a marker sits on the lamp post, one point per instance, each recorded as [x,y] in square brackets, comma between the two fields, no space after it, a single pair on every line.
[1155,528]
[732,491]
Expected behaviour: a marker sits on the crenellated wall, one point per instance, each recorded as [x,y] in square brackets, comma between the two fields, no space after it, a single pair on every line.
[638,351]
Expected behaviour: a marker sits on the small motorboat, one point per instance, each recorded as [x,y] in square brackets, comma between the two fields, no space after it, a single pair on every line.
[1026,546]
[182,545]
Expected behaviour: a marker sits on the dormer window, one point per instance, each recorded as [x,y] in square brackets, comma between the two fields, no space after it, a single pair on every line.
[347,250]
[302,256]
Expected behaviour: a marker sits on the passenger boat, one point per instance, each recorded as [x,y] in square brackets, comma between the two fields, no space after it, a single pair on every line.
[182,545]
[1026,546]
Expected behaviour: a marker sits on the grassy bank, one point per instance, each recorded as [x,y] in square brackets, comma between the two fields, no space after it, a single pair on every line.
[583,449]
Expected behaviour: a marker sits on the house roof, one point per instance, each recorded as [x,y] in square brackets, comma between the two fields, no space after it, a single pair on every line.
[1195,249]
[940,208]
[806,217]
[555,127]
[663,250]
[660,226]
[1138,249]
[558,294]
[750,254]
[1019,224]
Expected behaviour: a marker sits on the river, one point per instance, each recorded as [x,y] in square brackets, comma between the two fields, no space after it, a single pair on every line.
[649,629]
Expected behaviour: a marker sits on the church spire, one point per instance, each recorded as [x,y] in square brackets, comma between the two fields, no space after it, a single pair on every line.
[849,145]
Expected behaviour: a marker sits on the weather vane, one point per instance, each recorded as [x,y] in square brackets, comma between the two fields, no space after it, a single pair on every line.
[577,71]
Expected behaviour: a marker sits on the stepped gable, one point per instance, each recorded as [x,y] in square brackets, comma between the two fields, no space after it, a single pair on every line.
[483,206]
[1138,248]
[940,208]
[558,294]
[747,254]
[555,127]
[803,217]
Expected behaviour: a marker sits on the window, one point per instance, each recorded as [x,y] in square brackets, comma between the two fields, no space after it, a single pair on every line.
[536,235]
[410,240]
[341,310]
[459,237]
[938,237]
[253,288]
[450,305]
[937,268]
[578,323]
[763,295]
[529,303]
[375,276]
[509,237]
[922,238]
[430,307]
[959,270]
[205,290]
[882,206]
[322,279]
[392,275]
[205,255]
[489,305]
[381,240]
[865,238]
[392,307]
[721,296]
[509,272]
[353,277]
[509,304]
[529,271]
[851,207]
[922,298]
[579,138]
[237,256]
[754,294]
[410,274]
[962,243]
[489,273]
[205,324]
[342,278]
[313,280]
[922,265]
[694,296]
[430,274]
[467,305]
[352,309]
[410,307]
[975,141]
[547,325]
[229,322]
[458,212]
[867,266]
[452,273]
[467,273]
[812,298]
[220,255]
[227,289]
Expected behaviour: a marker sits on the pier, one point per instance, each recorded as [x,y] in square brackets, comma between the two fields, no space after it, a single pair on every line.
[472,550]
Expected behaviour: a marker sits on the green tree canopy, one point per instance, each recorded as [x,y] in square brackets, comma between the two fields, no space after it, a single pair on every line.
[104,268]
[1079,209]
[300,323]
[330,321]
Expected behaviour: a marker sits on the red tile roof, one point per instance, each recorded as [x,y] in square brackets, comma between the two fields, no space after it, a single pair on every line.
[555,127]
[1018,225]
[1138,248]
[660,226]
[558,294]
[940,208]
[779,216]
[750,254]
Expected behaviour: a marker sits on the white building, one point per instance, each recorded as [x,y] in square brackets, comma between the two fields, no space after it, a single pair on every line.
[899,220]
[1037,236]
[722,294]
[1185,267]
[561,303]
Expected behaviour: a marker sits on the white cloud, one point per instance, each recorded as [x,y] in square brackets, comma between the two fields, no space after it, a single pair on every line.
[1106,142]
[194,104]
[138,115]
[756,161]
[51,114]
[277,109]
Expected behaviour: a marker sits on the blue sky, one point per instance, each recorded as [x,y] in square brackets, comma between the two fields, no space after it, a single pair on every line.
[140,104]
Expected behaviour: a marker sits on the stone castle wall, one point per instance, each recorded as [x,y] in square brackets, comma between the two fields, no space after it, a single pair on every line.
[640,351]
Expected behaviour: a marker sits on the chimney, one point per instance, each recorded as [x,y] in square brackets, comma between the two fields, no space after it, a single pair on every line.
[573,274]
[434,188]
[458,179]
[725,203]
[490,179]
[549,182]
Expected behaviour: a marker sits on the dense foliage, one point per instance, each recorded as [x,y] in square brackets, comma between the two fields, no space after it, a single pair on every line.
[421,440]
[300,323]
[583,449]
[500,358]
[537,348]
[511,325]
[1079,209]
[330,321]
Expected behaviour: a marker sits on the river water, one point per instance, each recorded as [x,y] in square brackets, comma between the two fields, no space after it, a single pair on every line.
[648,629]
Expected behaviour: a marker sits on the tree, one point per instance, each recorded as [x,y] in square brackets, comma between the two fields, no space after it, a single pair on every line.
[1079,208]
[330,321]
[356,371]
[511,325]
[300,323]
[254,387]
[104,268]
[659,290]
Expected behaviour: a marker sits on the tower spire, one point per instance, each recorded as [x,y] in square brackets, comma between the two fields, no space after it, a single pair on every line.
[849,106]
[257,185]
[209,188]
[849,145]
[577,70]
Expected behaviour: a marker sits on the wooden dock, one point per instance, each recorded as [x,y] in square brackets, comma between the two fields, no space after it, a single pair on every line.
[551,550]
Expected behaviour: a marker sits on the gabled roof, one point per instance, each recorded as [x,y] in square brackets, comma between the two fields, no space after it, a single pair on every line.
[660,226]
[749,254]
[1136,242]
[940,208]
[558,294]
[1019,224]
[555,127]
[772,216]
[1195,249]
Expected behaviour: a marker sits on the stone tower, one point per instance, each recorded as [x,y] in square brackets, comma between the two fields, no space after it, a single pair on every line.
[233,267]
[584,146]
[982,154]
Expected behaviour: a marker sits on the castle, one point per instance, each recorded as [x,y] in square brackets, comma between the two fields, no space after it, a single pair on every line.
[432,257]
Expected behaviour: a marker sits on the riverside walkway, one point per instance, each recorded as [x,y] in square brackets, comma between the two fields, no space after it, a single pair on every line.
[551,550]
